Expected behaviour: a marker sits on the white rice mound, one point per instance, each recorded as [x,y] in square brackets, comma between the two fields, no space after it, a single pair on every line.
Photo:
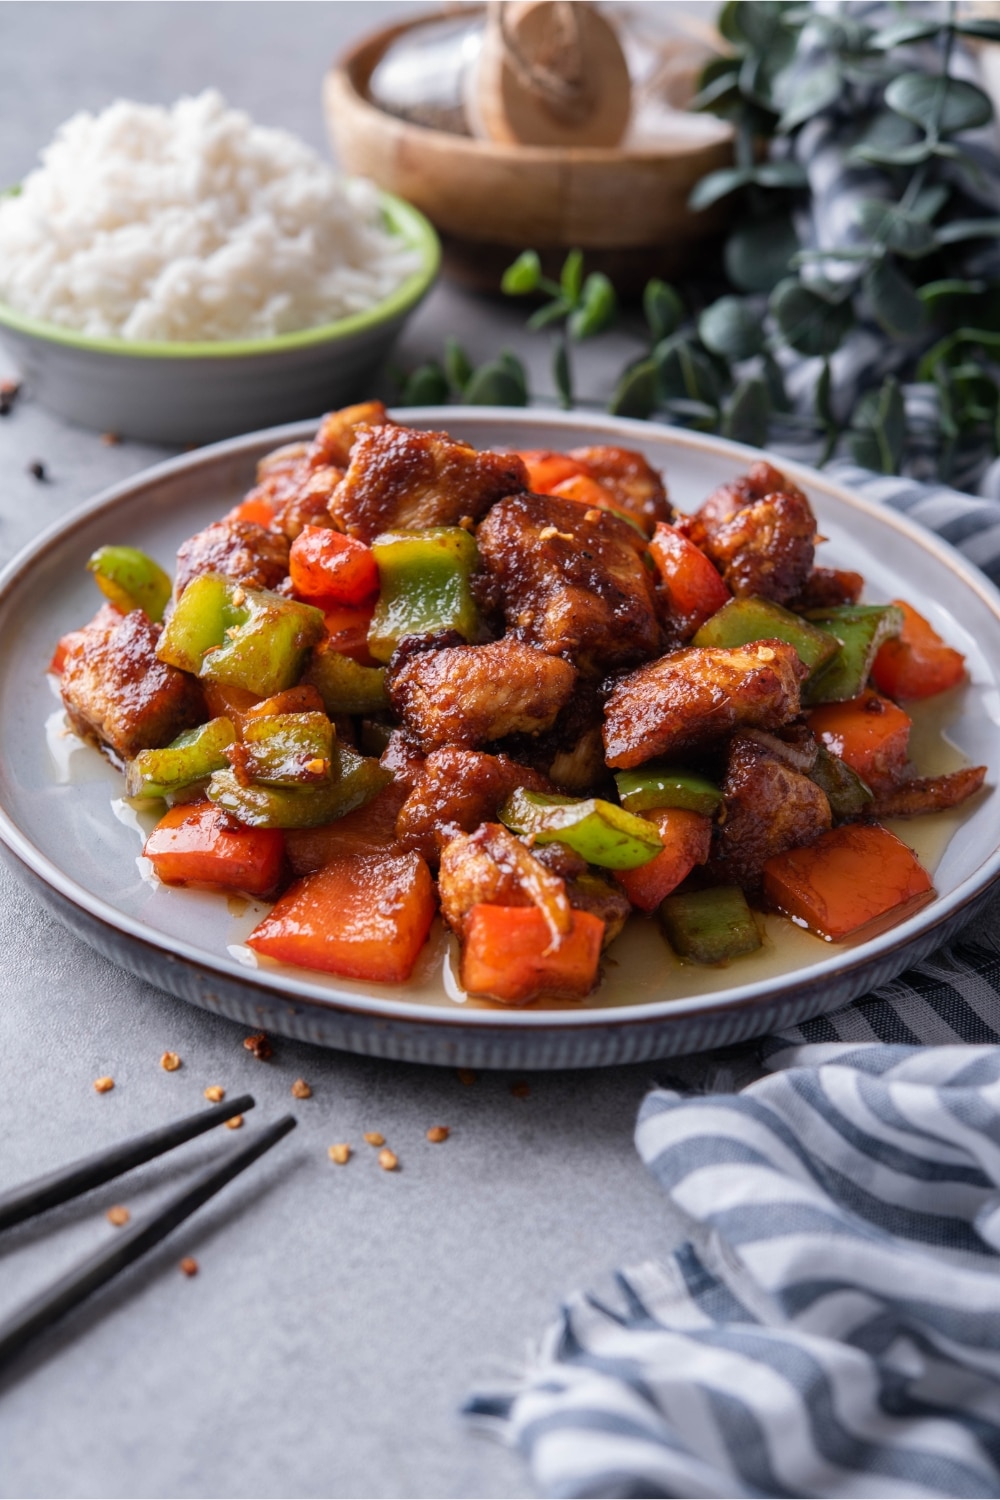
[191,224]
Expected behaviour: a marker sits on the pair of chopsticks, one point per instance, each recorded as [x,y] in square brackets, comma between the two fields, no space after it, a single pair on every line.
[69,1182]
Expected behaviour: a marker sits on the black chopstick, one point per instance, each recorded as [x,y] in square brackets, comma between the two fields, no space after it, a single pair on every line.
[129,1245]
[68,1182]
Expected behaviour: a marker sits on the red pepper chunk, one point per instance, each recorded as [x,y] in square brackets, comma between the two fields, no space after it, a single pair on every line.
[254,508]
[362,916]
[869,733]
[687,841]
[547,469]
[327,567]
[508,955]
[853,882]
[691,582]
[917,663]
[195,843]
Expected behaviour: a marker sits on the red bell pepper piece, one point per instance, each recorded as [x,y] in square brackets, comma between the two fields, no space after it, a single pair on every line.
[690,580]
[869,732]
[917,663]
[255,507]
[347,632]
[546,469]
[853,882]
[687,841]
[194,843]
[363,916]
[508,955]
[327,567]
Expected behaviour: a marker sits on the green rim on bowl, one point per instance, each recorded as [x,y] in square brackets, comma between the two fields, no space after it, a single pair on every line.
[401,217]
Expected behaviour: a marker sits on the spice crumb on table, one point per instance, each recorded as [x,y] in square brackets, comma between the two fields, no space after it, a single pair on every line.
[118,1215]
[388,1160]
[235,1123]
[189,1266]
[301,1089]
[520,1089]
[339,1153]
[467,1075]
[104,1085]
[438,1133]
[374,1138]
[259,1044]
[170,1062]
[215,1093]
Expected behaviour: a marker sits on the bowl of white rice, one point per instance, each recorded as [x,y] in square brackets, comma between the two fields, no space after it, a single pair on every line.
[182,274]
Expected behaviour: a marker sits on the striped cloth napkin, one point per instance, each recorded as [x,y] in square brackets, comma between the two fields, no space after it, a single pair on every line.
[830,1324]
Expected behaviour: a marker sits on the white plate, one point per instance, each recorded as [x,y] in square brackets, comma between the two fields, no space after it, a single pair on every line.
[58,827]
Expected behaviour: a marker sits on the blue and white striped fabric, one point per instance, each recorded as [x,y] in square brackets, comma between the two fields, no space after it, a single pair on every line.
[831,1325]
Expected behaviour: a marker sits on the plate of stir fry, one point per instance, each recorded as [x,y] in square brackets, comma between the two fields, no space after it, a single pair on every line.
[502,738]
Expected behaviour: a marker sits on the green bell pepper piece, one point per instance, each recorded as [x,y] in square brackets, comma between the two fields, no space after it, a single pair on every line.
[861,629]
[598,831]
[189,758]
[285,750]
[356,780]
[846,793]
[710,926]
[131,580]
[666,786]
[241,637]
[424,586]
[752,619]
[345,686]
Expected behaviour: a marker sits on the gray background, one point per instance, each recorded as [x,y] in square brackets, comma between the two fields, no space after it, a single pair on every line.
[341,1315]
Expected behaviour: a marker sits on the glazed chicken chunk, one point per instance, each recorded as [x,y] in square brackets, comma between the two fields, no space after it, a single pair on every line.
[458,790]
[697,695]
[333,442]
[469,695]
[570,580]
[240,550]
[402,479]
[118,692]
[635,484]
[770,806]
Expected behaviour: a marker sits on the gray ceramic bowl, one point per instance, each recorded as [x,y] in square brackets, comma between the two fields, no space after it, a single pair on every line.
[196,393]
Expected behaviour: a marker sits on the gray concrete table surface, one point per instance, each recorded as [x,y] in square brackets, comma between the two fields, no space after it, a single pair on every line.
[341,1314]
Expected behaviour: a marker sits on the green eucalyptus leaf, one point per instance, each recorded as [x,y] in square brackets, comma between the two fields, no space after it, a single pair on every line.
[562,374]
[968,229]
[571,277]
[523,276]
[494,384]
[718,185]
[699,414]
[718,87]
[775,383]
[517,372]
[780,174]
[888,139]
[758,253]
[940,106]
[807,321]
[598,307]
[894,300]
[815,91]
[686,371]
[663,308]
[930,200]
[878,434]
[902,33]
[637,393]
[935,293]
[548,313]
[747,414]
[822,396]
[727,22]
[457,366]
[889,225]
[985,29]
[427,385]
[732,328]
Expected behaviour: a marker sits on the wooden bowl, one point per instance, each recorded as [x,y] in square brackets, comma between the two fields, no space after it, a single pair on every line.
[625,206]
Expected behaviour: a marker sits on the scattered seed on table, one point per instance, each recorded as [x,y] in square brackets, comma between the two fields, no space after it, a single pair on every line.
[259,1045]
[388,1160]
[301,1089]
[38,471]
[118,1216]
[235,1123]
[467,1075]
[438,1133]
[340,1153]
[111,440]
[189,1266]
[104,1085]
[170,1062]
[215,1093]
[374,1138]
[520,1090]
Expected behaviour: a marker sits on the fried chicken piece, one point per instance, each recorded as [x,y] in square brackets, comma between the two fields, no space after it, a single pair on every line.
[590,892]
[335,438]
[766,548]
[635,484]
[927,794]
[468,695]
[696,695]
[402,479]
[458,790]
[570,580]
[571,753]
[827,588]
[768,807]
[240,550]
[492,866]
[118,692]
[760,480]
[307,501]
[402,757]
